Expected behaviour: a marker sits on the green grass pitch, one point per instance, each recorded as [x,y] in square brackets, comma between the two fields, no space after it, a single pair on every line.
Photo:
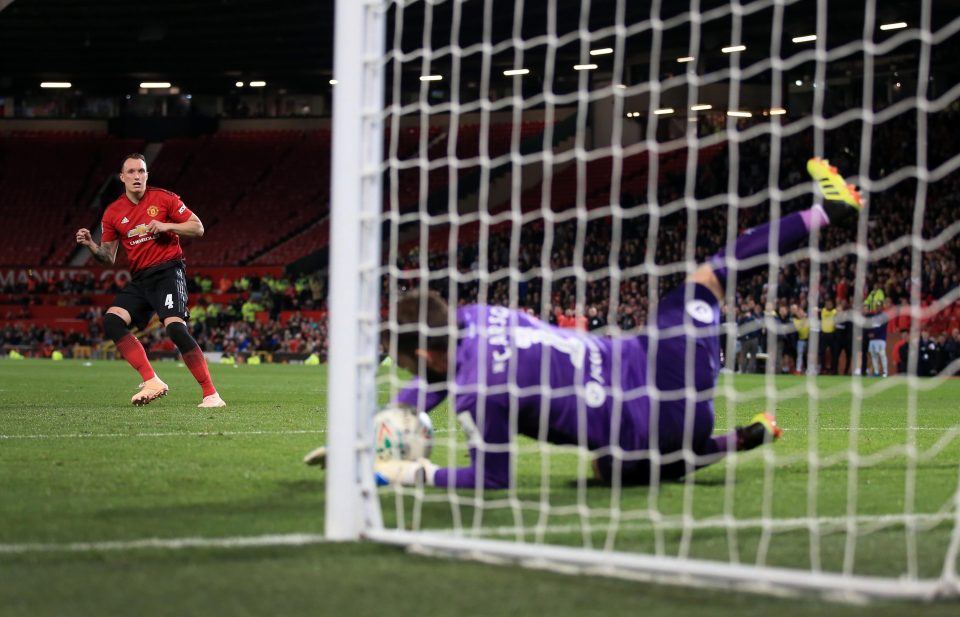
[84,476]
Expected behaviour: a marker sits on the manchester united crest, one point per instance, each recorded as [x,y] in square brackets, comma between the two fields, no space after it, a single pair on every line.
[152,211]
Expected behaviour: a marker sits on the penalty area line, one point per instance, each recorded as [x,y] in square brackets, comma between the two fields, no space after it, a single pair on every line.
[290,539]
[318,431]
[165,434]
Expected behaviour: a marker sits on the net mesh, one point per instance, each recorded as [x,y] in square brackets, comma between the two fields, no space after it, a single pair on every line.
[577,165]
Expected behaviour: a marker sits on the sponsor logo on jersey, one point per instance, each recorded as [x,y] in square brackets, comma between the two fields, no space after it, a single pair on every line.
[142,240]
[153,211]
[700,310]
[182,208]
[139,230]
[124,220]
[594,394]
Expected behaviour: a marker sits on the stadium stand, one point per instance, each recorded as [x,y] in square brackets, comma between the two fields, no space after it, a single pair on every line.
[264,197]
[48,181]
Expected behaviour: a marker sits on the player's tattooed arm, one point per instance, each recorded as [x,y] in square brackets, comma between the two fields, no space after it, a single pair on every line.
[105,252]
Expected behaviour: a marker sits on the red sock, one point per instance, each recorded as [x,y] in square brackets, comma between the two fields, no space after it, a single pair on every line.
[133,352]
[197,363]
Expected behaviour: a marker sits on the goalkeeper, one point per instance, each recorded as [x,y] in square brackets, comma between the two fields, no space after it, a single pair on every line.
[642,404]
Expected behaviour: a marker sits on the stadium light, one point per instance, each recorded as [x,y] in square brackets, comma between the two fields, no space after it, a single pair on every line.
[239,84]
[777,111]
[733,48]
[804,39]
[431,77]
[155,84]
[799,82]
[740,114]
[512,72]
[663,111]
[56,84]
[895,26]
[685,59]
[584,67]
[601,52]
[257,84]
[333,82]
[701,107]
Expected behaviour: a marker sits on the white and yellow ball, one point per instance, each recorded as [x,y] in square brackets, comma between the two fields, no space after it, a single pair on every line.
[400,433]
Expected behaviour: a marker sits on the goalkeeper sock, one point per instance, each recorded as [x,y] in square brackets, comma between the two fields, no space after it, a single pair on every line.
[128,346]
[792,230]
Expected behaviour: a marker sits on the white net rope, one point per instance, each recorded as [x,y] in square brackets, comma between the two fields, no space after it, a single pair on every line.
[576,166]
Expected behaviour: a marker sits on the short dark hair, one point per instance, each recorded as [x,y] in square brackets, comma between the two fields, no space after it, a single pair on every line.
[436,319]
[135,155]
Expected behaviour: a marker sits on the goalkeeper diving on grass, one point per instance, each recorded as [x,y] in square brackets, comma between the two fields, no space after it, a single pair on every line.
[642,405]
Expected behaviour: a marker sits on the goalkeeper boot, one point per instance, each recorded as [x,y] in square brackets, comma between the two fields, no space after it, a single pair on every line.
[150,390]
[842,201]
[212,400]
[762,429]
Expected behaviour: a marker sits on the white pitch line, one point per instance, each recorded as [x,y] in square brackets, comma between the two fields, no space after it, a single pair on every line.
[290,539]
[169,434]
[436,432]
[861,429]
[175,434]
[305,539]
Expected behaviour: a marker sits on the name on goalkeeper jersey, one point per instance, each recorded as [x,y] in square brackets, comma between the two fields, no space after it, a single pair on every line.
[497,337]
[573,346]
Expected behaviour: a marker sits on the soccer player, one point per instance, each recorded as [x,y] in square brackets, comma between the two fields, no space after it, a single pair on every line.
[148,222]
[642,404]
[829,338]
[877,346]
[802,326]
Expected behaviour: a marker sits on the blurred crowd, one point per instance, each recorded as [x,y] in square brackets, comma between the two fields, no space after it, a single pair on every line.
[223,318]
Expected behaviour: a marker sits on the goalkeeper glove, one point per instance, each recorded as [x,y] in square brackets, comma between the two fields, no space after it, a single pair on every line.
[420,472]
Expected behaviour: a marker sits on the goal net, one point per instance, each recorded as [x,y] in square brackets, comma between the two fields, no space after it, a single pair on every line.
[572,163]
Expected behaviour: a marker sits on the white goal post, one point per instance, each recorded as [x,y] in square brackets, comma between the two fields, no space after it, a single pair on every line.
[648,127]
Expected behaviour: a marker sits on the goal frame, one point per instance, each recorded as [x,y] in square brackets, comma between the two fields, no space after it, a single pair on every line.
[352,502]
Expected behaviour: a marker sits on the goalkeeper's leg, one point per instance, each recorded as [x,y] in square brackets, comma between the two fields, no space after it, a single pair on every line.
[708,450]
[761,430]
[841,206]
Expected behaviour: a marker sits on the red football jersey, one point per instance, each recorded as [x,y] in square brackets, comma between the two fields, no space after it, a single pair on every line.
[127,221]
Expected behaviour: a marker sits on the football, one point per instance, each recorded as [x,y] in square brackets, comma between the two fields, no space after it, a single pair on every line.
[402,434]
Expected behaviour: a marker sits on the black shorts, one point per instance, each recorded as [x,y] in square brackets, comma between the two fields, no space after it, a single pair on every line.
[161,290]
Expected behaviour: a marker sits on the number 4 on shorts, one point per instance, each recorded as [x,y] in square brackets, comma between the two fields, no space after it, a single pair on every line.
[169,301]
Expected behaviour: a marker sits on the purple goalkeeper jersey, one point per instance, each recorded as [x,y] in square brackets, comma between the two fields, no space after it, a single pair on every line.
[563,385]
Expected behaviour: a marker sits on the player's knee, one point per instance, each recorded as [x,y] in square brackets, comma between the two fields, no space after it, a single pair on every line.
[114,327]
[178,333]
